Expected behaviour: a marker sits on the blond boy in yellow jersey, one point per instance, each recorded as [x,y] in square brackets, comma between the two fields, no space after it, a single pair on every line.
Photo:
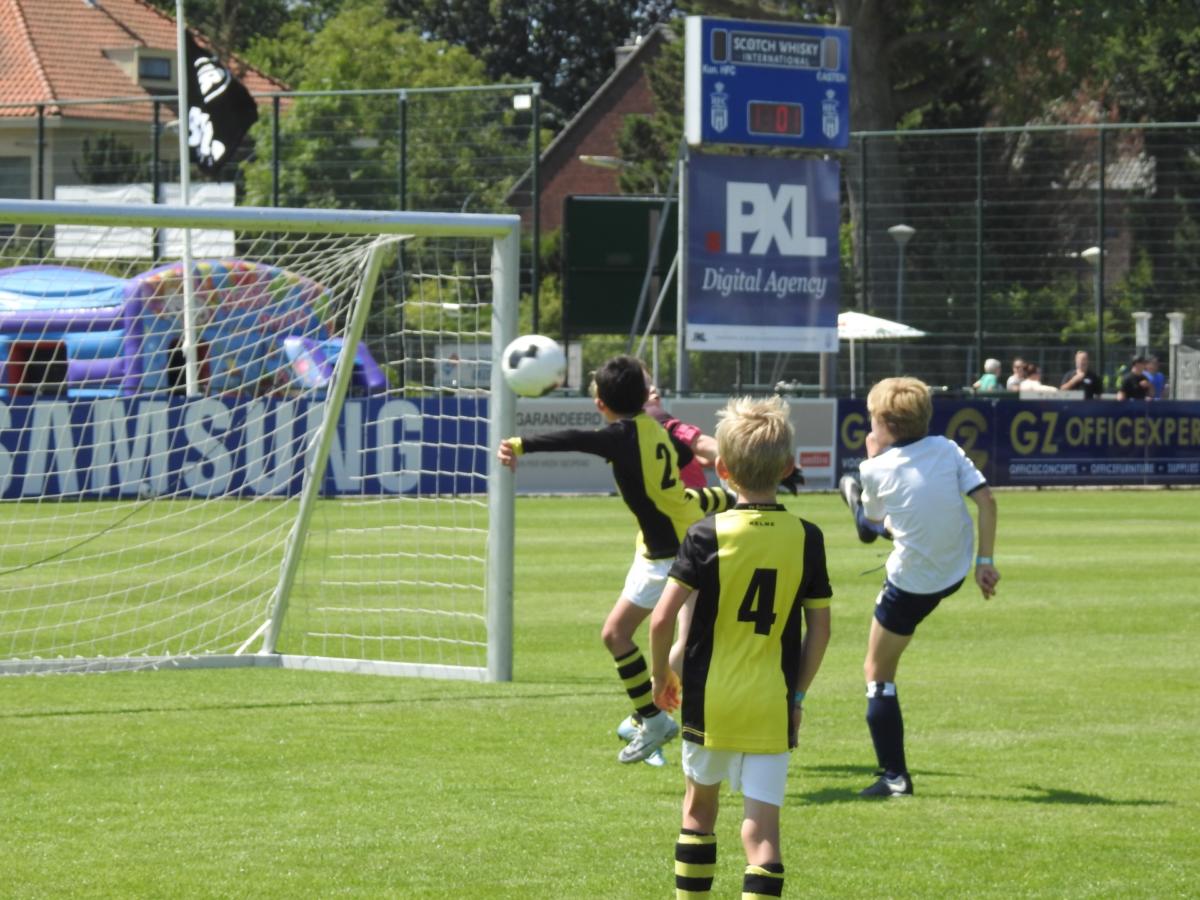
[758,632]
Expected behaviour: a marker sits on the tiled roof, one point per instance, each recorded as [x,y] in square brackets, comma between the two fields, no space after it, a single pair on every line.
[53,50]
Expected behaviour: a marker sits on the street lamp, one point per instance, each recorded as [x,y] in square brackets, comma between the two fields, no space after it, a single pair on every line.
[901,234]
[1095,257]
[615,163]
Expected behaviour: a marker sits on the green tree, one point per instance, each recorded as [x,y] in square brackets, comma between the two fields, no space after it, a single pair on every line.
[232,24]
[344,150]
[567,46]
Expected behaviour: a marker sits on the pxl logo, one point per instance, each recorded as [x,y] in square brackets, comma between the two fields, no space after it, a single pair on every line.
[770,217]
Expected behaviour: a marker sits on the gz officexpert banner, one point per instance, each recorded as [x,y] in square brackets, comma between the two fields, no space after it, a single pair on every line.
[762,254]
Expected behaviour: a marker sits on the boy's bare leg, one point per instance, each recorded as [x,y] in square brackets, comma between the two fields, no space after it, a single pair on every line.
[696,848]
[657,727]
[621,625]
[763,876]
[760,832]
[883,652]
[700,806]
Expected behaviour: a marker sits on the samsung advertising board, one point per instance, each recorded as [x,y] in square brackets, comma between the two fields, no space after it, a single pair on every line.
[125,447]
[762,254]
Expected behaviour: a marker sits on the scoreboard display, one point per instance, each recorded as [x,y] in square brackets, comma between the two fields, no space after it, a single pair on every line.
[771,83]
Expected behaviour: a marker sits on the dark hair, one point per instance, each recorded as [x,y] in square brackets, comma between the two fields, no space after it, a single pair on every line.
[621,384]
[1138,359]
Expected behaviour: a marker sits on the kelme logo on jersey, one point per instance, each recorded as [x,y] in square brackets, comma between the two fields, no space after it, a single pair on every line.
[757,217]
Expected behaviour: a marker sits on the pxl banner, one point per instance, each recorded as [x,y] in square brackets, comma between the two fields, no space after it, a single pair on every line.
[762,254]
[1048,443]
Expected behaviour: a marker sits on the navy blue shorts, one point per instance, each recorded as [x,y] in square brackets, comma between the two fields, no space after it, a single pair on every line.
[901,612]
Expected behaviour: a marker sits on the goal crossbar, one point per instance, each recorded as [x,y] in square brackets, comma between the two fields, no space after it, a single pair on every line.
[261,219]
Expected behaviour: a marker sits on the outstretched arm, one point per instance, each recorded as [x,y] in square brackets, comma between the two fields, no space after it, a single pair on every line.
[705,449]
[986,574]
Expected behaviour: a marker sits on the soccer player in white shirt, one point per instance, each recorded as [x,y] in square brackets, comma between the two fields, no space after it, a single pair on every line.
[912,485]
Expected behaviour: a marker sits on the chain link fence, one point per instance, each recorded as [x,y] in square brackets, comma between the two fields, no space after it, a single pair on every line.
[1030,242]
[429,149]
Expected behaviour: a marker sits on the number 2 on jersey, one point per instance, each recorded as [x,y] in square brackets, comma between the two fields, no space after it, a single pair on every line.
[661,451]
[758,606]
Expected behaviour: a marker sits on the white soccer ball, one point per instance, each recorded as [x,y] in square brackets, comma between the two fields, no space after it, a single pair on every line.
[534,365]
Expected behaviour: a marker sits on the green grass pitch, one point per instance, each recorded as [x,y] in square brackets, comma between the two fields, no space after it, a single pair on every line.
[1052,733]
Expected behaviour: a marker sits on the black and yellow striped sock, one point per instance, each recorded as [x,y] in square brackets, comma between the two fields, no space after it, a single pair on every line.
[695,863]
[635,675]
[762,881]
[712,499]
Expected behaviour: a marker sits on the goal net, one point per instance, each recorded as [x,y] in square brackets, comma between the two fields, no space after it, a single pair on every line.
[280,461]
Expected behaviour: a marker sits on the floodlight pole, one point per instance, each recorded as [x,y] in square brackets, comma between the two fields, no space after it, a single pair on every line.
[1141,331]
[901,234]
[1095,257]
[1174,339]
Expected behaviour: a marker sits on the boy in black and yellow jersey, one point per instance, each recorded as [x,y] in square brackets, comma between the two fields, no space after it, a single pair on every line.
[645,462]
[758,632]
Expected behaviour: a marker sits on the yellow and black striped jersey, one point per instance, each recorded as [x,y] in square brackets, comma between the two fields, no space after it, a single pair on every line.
[755,568]
[645,463]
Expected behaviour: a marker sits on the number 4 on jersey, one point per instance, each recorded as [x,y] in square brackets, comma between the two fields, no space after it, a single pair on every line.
[758,606]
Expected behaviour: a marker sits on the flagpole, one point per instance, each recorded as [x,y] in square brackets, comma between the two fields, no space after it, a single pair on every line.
[189,328]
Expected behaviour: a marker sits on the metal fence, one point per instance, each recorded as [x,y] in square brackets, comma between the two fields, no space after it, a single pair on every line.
[429,149]
[1031,242]
[1019,242]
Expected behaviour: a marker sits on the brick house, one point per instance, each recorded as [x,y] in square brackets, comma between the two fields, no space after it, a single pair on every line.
[54,53]
[593,132]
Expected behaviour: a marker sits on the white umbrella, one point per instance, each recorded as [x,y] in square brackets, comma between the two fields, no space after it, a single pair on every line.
[856,326]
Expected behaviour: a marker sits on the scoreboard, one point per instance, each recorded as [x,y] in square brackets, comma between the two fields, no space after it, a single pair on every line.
[778,84]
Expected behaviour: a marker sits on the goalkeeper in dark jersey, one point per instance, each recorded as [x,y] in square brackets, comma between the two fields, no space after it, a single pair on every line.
[645,463]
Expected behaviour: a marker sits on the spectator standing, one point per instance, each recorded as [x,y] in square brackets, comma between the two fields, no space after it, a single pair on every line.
[1032,383]
[1157,379]
[1017,376]
[1135,385]
[1082,378]
[990,379]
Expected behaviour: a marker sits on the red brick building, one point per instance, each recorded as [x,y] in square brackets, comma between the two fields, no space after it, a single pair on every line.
[55,51]
[593,132]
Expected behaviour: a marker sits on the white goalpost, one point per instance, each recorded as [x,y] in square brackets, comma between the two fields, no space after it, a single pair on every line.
[291,470]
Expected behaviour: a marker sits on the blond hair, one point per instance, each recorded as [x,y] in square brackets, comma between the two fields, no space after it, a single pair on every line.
[755,441]
[903,405]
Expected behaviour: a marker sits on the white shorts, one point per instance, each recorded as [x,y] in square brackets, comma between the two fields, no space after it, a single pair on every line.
[759,776]
[646,579]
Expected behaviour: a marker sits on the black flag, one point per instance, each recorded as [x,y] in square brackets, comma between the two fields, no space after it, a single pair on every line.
[220,109]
